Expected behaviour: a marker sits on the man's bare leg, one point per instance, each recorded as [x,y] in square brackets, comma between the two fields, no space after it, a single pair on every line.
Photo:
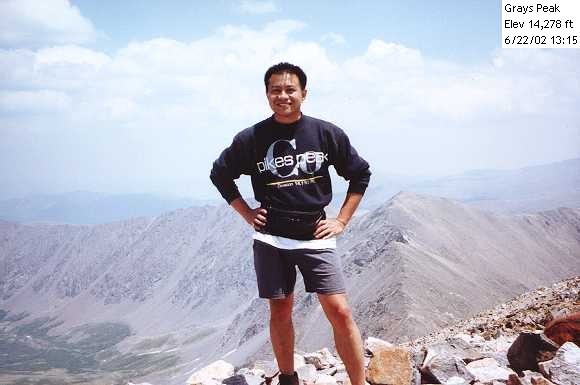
[346,335]
[282,333]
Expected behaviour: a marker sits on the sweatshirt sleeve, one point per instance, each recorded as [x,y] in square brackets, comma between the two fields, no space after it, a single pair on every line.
[232,162]
[349,164]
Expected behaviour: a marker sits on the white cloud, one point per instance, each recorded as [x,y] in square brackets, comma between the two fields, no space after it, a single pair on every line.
[257,7]
[44,101]
[71,55]
[163,109]
[33,23]
[333,38]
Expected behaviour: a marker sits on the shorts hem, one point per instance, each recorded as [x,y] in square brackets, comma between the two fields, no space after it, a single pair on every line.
[326,291]
[275,296]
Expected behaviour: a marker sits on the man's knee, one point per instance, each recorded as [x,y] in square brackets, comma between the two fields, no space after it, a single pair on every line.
[341,313]
[337,310]
[281,309]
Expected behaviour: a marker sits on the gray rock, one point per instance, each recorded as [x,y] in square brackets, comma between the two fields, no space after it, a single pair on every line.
[456,381]
[214,373]
[529,377]
[418,356]
[341,376]
[298,361]
[330,371]
[545,367]
[565,367]
[453,347]
[307,373]
[321,359]
[488,370]
[447,369]
[252,379]
[269,368]
[464,347]
[251,372]
[325,379]
[500,357]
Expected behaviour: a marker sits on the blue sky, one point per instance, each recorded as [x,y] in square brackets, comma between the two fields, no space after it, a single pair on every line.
[141,96]
[463,30]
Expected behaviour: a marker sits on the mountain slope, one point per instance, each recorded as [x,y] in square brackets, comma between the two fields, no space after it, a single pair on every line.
[419,262]
[183,282]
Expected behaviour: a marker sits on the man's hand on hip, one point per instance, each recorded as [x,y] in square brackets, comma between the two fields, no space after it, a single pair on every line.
[257,218]
[328,228]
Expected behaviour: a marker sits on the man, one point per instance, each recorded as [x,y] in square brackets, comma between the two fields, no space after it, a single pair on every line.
[287,157]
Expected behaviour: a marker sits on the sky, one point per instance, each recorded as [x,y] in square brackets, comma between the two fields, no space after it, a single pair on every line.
[141,96]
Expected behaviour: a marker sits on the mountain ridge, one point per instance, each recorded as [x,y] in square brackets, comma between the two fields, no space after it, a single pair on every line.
[415,263]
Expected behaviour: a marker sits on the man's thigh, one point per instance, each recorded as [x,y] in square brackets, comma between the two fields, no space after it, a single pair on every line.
[276,276]
[321,270]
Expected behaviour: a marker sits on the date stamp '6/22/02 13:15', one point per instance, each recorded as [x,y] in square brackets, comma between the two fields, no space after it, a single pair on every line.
[530,24]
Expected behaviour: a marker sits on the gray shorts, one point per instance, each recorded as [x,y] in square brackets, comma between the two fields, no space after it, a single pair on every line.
[276,270]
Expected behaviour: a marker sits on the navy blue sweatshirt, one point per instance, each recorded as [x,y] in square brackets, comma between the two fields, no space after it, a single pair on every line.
[288,163]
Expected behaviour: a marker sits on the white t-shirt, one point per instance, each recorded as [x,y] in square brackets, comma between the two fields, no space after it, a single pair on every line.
[292,244]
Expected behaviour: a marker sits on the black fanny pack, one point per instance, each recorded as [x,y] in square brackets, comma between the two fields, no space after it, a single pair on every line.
[292,224]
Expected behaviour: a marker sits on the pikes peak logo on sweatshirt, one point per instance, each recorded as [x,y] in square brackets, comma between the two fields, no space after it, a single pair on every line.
[282,161]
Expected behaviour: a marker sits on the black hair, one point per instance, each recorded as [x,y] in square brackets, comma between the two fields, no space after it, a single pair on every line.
[285,67]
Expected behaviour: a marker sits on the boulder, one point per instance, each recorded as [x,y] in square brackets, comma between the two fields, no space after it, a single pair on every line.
[456,381]
[541,381]
[329,371]
[514,379]
[565,367]
[341,377]
[443,363]
[418,355]
[325,379]
[454,347]
[307,373]
[545,367]
[213,374]
[564,329]
[244,379]
[373,345]
[488,370]
[322,359]
[447,370]
[529,377]
[529,349]
[392,366]
[501,343]
[465,347]
[251,372]
[269,368]
[299,361]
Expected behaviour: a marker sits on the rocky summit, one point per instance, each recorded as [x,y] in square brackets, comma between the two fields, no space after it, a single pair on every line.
[531,340]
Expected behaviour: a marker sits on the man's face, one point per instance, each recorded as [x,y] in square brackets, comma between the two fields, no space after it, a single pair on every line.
[285,97]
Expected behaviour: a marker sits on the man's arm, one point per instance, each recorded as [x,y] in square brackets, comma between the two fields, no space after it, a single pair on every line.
[334,226]
[254,217]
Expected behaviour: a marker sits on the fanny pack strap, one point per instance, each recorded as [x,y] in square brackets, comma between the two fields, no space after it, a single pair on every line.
[297,213]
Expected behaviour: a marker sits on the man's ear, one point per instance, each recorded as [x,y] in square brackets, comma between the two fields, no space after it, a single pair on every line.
[304,91]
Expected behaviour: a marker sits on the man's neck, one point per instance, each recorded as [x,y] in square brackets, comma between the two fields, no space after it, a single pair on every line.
[288,119]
